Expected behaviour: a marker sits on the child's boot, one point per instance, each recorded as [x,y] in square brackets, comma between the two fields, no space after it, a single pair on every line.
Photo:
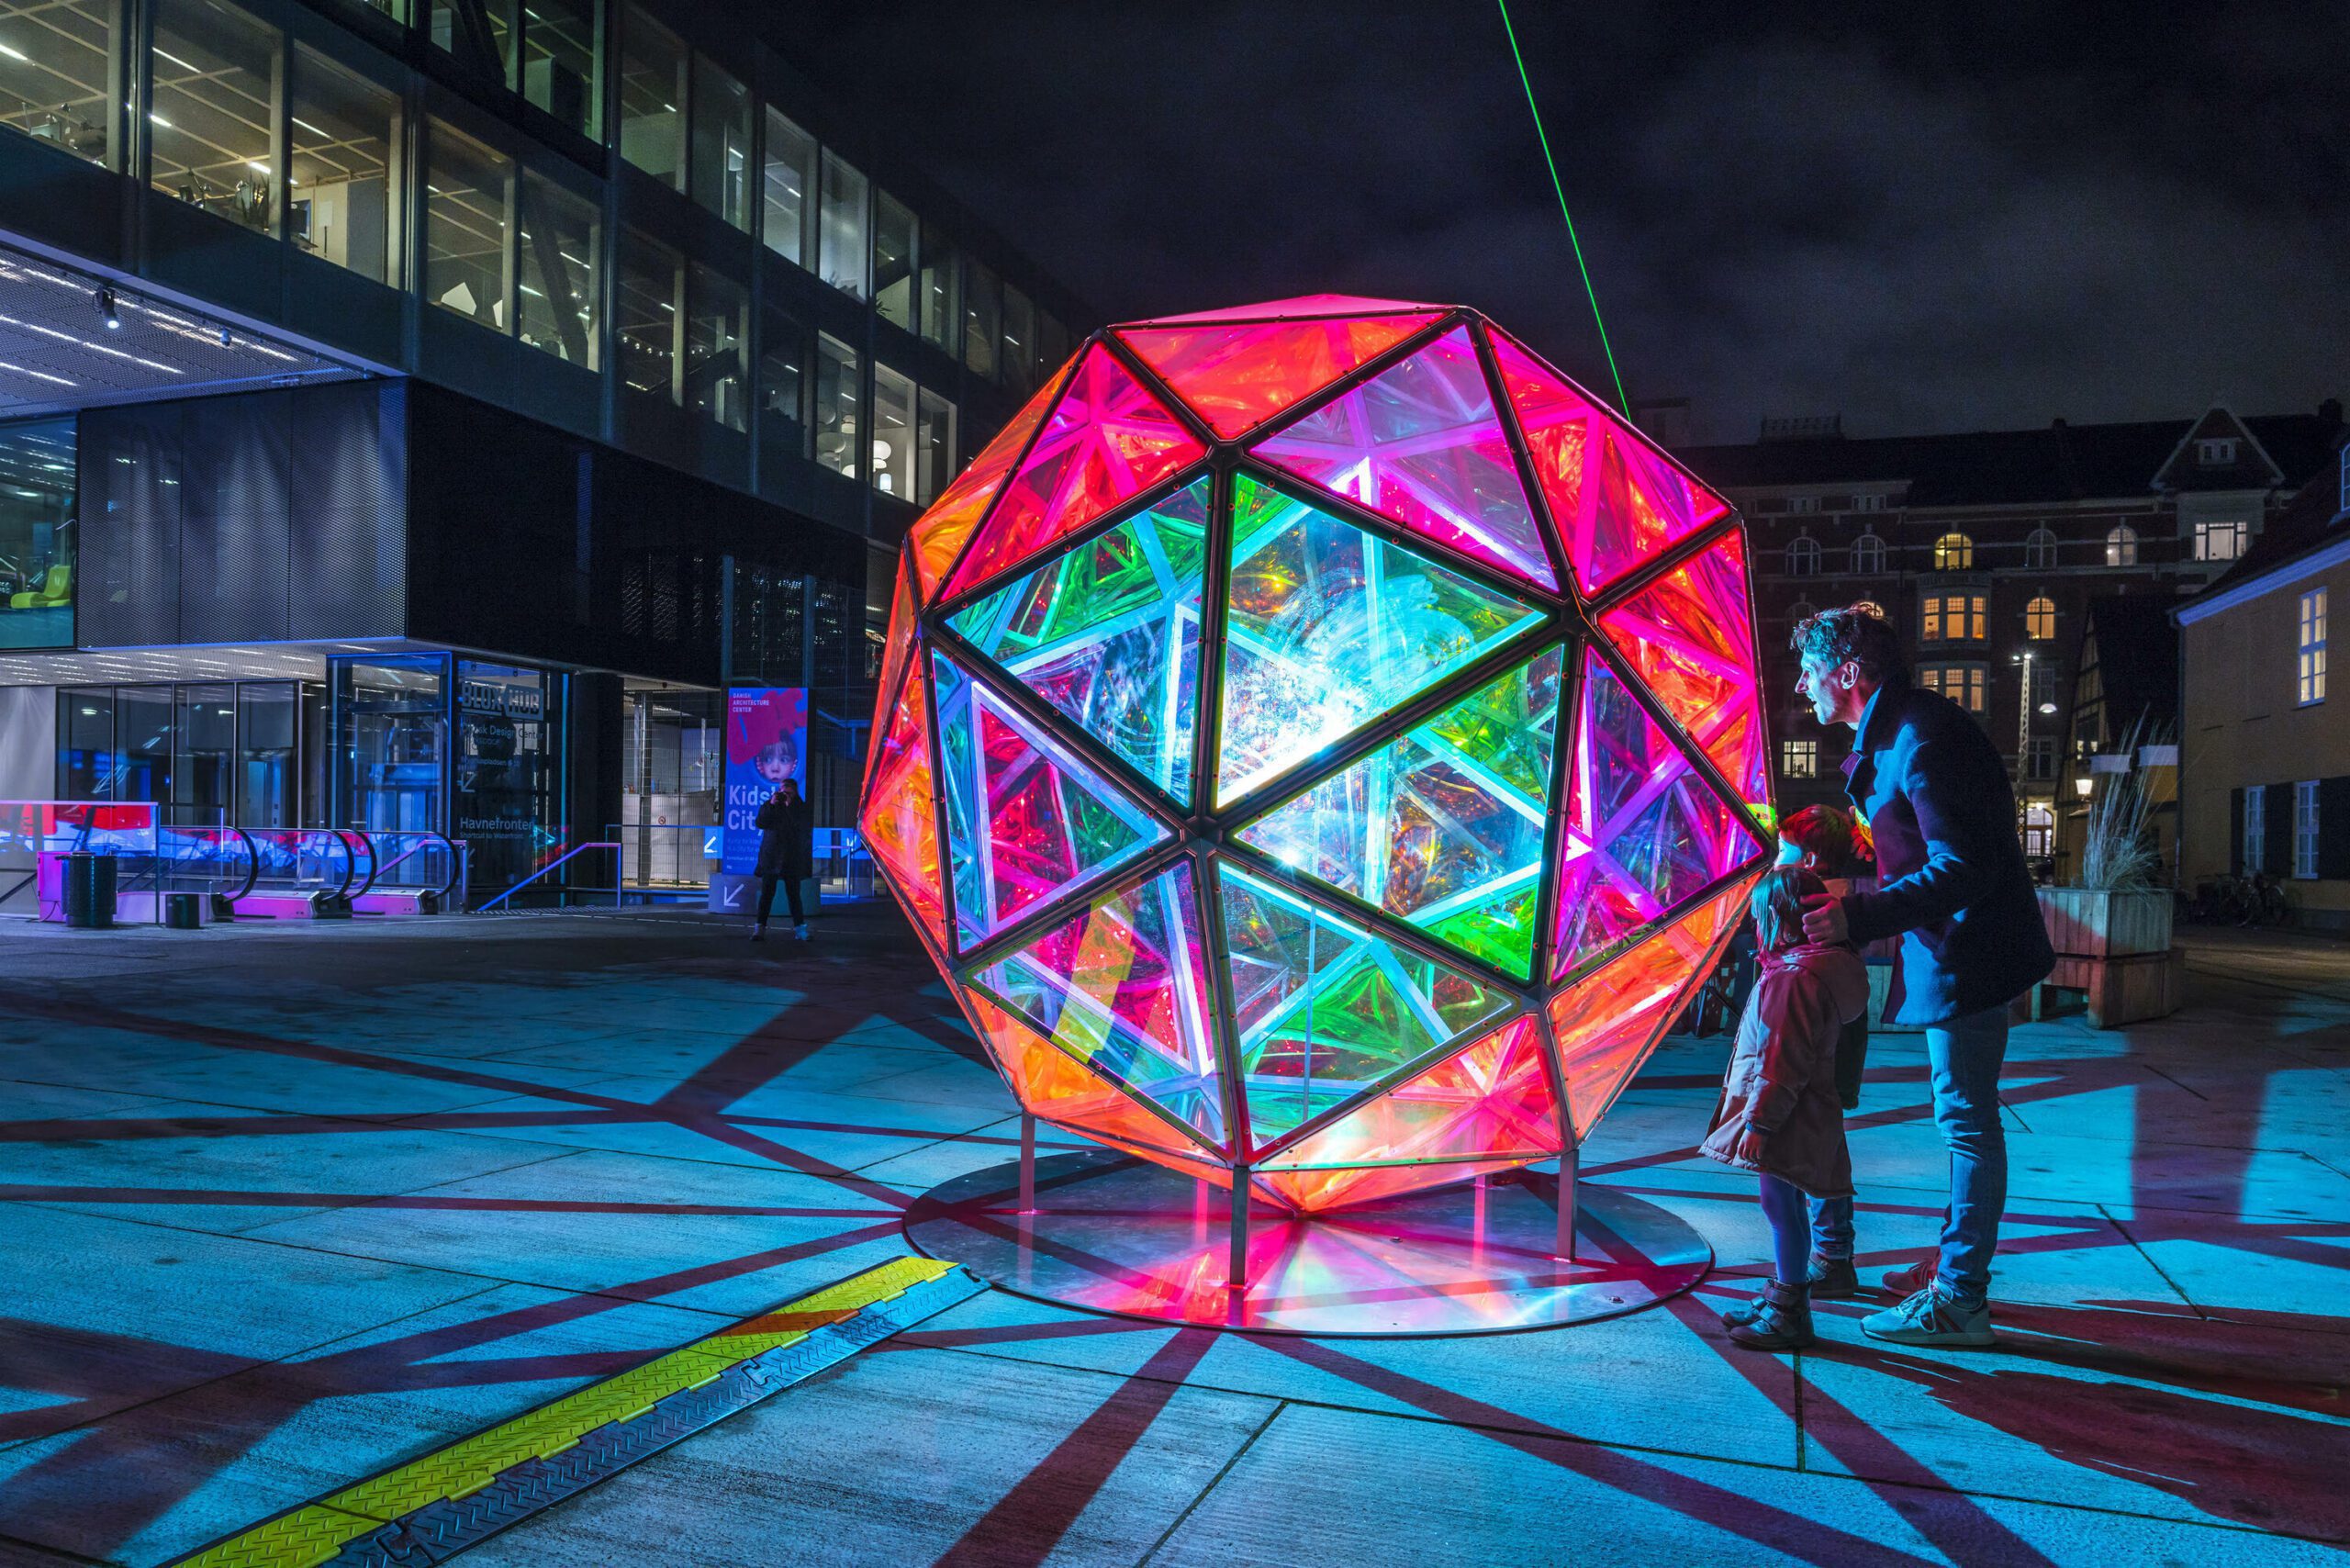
[1783,1321]
[1832,1279]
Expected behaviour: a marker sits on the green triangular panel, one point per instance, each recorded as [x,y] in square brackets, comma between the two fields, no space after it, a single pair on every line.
[1026,821]
[1444,827]
[1329,626]
[1324,1008]
[1109,634]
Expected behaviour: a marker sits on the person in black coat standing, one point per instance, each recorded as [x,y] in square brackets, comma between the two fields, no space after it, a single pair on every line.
[787,855]
[1953,884]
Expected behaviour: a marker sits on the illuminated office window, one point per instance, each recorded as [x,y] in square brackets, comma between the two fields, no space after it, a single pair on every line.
[653,98]
[721,150]
[213,122]
[465,256]
[841,226]
[648,315]
[715,322]
[56,64]
[345,184]
[790,175]
[557,294]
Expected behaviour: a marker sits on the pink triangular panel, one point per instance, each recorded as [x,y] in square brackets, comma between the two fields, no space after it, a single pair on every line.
[1483,1108]
[1640,504]
[1690,637]
[1301,305]
[1645,831]
[1237,376]
[1606,1024]
[1106,440]
[1420,442]
[938,535]
[900,820]
[1051,1084]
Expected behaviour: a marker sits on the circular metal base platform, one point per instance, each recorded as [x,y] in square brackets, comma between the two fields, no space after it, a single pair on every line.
[1113,1234]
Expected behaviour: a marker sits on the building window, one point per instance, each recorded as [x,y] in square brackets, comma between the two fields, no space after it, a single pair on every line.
[1802,503]
[647,315]
[721,176]
[2040,758]
[1962,684]
[1870,607]
[2039,829]
[1956,618]
[838,427]
[783,385]
[466,257]
[2039,549]
[2042,695]
[893,261]
[1803,556]
[2216,453]
[562,59]
[346,200]
[2311,648]
[1799,759]
[1019,341]
[2256,829]
[558,245]
[37,534]
[212,119]
[841,226]
[893,432]
[2040,619]
[1954,553]
[2220,541]
[716,318]
[2122,545]
[1868,555]
[933,447]
[479,33]
[1868,503]
[791,175]
[2305,828]
[55,63]
[982,319]
[942,293]
[653,91]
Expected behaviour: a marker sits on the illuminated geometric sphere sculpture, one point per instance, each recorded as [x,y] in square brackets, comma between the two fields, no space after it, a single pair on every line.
[1316,742]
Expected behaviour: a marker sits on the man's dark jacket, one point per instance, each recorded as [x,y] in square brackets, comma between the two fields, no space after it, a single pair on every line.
[1951,873]
[787,839]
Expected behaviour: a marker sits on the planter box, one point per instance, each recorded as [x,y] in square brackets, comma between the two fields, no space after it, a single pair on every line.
[2092,923]
[2118,990]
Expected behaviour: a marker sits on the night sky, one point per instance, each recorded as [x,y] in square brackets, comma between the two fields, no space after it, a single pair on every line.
[1924,218]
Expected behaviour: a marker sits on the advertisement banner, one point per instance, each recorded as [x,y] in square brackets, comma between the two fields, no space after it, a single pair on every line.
[766,742]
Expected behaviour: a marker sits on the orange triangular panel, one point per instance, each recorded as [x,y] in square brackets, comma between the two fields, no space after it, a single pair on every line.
[901,821]
[1054,1087]
[904,612]
[1107,439]
[938,535]
[1606,1025]
[1237,376]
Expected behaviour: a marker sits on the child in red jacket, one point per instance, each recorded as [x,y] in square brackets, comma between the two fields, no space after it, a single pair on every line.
[1778,1114]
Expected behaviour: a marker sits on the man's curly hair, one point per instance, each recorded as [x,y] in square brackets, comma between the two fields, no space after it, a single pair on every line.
[1854,632]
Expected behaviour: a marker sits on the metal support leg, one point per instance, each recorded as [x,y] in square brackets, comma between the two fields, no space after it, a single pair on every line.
[1568,1162]
[1236,1266]
[1027,1163]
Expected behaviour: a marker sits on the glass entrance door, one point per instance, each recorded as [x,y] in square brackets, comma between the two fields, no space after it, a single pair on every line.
[391,720]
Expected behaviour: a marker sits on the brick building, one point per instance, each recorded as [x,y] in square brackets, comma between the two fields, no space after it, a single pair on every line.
[1987,550]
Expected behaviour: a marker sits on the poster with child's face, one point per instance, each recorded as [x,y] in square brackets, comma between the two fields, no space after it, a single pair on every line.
[766,742]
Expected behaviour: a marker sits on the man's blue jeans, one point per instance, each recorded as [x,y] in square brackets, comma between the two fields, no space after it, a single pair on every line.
[1964,1054]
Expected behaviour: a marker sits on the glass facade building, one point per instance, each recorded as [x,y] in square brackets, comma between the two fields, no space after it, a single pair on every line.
[367,362]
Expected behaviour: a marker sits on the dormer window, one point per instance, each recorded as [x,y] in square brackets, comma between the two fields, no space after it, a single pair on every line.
[2218,453]
[1802,503]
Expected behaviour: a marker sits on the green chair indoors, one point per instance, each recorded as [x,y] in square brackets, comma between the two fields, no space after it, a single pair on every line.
[56,588]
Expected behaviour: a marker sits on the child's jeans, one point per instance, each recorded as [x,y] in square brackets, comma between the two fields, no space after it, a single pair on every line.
[1784,1205]
[1831,1227]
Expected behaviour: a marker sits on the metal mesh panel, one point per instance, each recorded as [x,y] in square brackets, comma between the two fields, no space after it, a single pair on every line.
[130,525]
[235,526]
[349,566]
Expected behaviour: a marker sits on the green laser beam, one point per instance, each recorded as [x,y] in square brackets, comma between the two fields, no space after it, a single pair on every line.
[1541,136]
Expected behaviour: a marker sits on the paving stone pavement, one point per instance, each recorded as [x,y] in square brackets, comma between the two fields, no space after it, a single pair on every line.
[286,1205]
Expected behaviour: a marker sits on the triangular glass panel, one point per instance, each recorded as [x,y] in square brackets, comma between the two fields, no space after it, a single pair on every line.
[1645,832]
[1486,1108]
[1558,421]
[904,611]
[1299,305]
[1106,440]
[1109,634]
[1420,442]
[1053,1085]
[1123,988]
[1027,821]
[1645,506]
[1330,626]
[901,819]
[1690,638]
[1237,376]
[1606,1025]
[938,535]
[1324,1008]
[1443,827]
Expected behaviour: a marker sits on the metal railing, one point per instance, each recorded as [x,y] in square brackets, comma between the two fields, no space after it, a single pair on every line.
[559,860]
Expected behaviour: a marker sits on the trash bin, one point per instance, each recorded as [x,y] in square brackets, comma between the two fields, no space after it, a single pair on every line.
[181,912]
[89,889]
